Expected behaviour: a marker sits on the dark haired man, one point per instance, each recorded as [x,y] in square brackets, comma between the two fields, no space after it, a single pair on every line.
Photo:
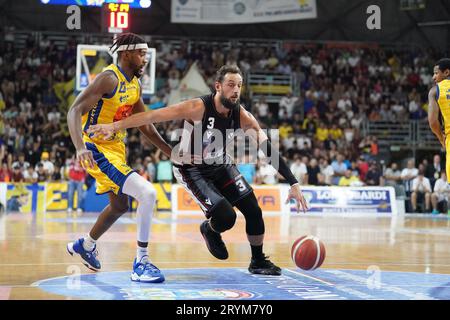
[115,94]
[208,173]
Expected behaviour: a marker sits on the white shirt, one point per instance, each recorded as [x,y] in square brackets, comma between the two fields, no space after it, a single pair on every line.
[353,61]
[409,172]
[397,108]
[26,175]
[441,186]
[413,106]
[262,109]
[24,166]
[343,104]
[349,133]
[305,61]
[301,142]
[288,103]
[356,122]
[288,142]
[421,186]
[54,116]
[268,174]
[25,106]
[299,170]
[48,166]
[317,69]
[328,172]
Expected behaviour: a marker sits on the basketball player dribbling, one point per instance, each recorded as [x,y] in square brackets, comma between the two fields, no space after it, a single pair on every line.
[439,103]
[218,187]
[113,95]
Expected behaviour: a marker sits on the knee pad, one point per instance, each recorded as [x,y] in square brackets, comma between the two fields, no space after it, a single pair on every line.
[148,193]
[140,189]
[222,216]
[253,215]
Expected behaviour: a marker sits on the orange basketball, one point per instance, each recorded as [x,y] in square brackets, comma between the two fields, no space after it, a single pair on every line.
[308,252]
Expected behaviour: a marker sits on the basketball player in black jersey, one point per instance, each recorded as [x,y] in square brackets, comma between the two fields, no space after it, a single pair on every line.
[210,176]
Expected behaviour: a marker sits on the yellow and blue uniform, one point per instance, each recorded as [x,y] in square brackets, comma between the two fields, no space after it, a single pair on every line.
[443,100]
[111,169]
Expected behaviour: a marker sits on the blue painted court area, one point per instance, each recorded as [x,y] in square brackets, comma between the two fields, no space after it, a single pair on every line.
[239,284]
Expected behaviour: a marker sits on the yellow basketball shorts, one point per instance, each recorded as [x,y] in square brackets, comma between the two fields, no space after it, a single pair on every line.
[447,157]
[111,169]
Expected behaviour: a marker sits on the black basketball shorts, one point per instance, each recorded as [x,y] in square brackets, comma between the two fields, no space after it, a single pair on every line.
[208,185]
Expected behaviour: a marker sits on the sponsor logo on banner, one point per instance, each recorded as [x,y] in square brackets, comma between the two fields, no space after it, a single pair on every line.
[25,197]
[177,294]
[269,199]
[345,199]
[57,197]
[185,201]
[249,11]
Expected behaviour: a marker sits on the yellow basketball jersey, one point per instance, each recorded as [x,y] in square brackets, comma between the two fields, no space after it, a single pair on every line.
[443,100]
[114,107]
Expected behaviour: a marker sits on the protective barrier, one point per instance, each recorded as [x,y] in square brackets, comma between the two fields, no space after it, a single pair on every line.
[48,197]
[53,196]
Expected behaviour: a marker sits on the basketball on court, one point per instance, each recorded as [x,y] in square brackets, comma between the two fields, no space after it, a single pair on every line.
[308,252]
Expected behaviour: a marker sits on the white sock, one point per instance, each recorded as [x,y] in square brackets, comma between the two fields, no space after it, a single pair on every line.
[89,243]
[145,194]
[142,255]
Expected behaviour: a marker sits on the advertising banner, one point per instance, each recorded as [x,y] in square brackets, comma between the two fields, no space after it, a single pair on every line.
[25,197]
[370,200]
[241,11]
[350,199]
[269,198]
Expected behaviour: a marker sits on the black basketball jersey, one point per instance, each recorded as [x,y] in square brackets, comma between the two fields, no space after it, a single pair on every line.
[207,140]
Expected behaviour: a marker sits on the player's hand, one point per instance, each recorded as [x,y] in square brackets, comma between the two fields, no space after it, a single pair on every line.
[296,194]
[86,159]
[102,131]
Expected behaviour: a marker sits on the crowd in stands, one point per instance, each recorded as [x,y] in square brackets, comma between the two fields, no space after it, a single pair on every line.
[319,130]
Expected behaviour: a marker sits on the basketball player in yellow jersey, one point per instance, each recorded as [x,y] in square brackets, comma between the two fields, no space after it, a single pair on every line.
[114,95]
[439,100]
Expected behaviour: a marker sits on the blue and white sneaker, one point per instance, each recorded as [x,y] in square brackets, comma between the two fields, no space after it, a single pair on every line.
[146,272]
[88,258]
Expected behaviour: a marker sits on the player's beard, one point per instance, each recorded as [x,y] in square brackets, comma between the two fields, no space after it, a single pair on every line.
[137,73]
[137,70]
[227,103]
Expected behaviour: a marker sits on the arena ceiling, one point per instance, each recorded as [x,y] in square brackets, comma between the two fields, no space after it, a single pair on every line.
[338,20]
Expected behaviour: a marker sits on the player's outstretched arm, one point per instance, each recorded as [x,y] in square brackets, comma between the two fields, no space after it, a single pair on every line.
[433,116]
[184,110]
[104,83]
[150,131]
[252,128]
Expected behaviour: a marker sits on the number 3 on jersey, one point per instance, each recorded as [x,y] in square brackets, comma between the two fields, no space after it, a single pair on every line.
[210,123]
[241,185]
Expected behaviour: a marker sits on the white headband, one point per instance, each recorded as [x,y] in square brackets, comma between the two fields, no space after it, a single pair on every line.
[127,47]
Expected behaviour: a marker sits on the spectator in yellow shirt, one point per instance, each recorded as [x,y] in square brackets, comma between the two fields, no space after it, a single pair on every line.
[335,132]
[322,132]
[309,124]
[349,180]
[285,130]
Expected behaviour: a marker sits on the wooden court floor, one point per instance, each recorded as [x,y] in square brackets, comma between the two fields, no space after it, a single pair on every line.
[33,248]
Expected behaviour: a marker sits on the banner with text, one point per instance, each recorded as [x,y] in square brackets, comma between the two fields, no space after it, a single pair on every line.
[378,200]
[349,199]
[238,11]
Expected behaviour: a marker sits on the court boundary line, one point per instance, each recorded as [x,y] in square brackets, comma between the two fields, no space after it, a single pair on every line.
[311,277]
